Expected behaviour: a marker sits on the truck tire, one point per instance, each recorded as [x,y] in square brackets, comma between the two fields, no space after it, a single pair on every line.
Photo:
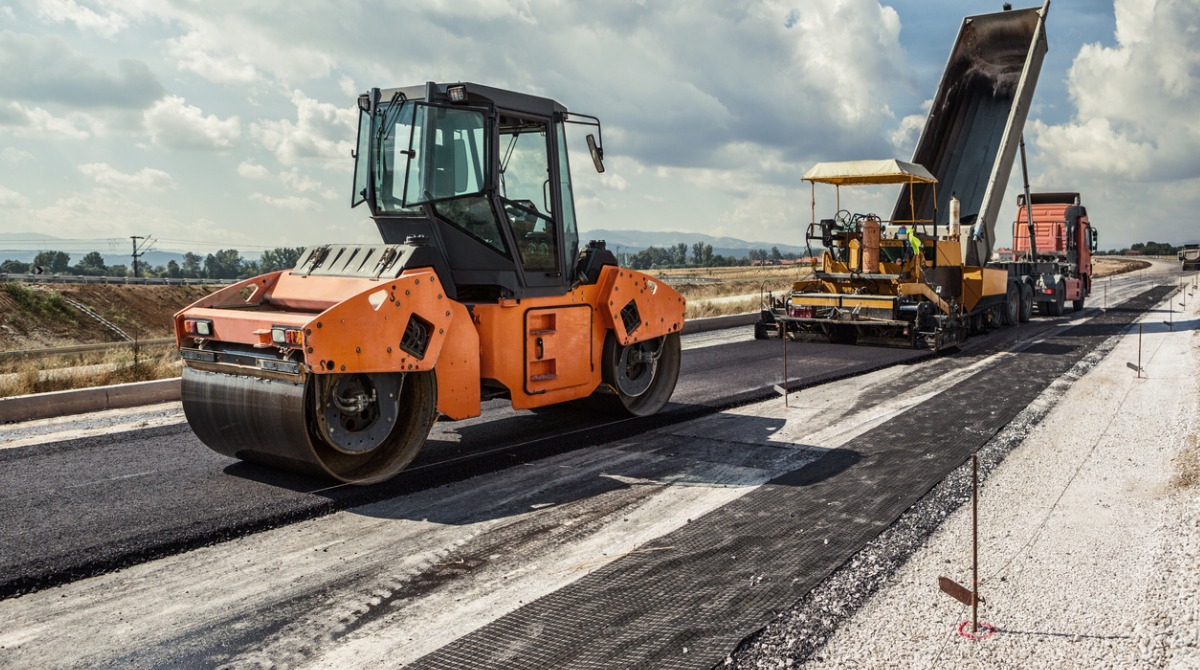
[1011,309]
[1055,307]
[1026,303]
[1077,305]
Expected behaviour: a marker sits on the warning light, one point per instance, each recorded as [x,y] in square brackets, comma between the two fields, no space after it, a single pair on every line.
[287,337]
[198,327]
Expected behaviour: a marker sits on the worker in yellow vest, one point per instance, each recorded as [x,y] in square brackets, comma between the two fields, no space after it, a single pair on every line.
[914,242]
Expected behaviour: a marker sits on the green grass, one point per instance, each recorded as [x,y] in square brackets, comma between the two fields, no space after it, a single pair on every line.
[39,303]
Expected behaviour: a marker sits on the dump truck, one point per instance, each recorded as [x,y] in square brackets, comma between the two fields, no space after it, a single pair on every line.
[1189,257]
[1051,261]
[945,213]
[339,366]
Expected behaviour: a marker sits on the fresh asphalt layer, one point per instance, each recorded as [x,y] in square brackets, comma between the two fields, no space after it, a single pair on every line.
[91,505]
[85,506]
[424,566]
[678,608]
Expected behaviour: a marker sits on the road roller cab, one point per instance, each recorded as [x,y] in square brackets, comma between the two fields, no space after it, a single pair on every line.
[340,366]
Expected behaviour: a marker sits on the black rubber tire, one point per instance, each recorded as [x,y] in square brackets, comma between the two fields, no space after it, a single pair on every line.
[418,412]
[1010,311]
[1026,312]
[1056,307]
[760,331]
[1077,305]
[664,376]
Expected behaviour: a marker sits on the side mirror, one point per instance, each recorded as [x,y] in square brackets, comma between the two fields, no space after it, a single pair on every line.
[597,153]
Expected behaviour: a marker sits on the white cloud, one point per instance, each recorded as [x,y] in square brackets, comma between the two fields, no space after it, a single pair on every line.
[173,124]
[1135,102]
[47,69]
[242,47]
[252,170]
[10,199]
[300,183]
[193,52]
[147,179]
[1134,136]
[26,121]
[614,181]
[14,156]
[908,132]
[106,24]
[321,130]
[109,212]
[293,202]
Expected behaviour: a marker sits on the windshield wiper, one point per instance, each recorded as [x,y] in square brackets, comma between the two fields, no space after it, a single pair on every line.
[385,130]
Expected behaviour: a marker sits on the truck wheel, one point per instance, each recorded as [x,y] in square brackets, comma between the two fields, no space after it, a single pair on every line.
[1055,307]
[1077,305]
[1026,302]
[1011,309]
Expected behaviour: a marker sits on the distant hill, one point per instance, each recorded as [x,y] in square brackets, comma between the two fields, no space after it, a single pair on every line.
[636,240]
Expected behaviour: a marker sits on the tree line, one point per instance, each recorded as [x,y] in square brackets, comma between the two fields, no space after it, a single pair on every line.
[700,254]
[222,264]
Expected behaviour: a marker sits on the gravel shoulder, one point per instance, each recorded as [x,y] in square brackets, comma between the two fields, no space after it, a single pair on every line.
[1089,539]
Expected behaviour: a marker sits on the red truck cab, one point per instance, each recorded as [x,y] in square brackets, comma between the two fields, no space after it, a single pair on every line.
[1061,233]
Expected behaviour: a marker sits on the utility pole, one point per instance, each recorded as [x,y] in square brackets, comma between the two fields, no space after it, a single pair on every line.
[138,250]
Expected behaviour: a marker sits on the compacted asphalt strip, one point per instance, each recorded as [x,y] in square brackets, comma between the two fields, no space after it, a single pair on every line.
[729,572]
[92,505]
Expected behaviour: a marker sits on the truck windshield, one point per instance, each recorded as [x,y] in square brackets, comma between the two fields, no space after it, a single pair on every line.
[422,153]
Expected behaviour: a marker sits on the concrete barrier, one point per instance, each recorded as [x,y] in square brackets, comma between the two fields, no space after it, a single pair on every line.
[719,322]
[80,401]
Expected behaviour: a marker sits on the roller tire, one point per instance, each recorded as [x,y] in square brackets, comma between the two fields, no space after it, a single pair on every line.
[658,392]
[417,414]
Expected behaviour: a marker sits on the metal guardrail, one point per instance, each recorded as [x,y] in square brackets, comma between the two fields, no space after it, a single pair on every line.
[91,314]
[27,354]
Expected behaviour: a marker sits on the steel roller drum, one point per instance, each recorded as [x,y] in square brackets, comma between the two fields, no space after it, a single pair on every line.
[267,421]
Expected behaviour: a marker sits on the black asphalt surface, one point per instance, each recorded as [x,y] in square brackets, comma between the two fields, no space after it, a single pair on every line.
[82,507]
[729,572]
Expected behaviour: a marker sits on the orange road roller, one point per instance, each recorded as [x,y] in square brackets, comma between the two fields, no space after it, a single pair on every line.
[340,366]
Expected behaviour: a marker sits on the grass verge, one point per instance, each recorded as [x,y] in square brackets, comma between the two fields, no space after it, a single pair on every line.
[119,366]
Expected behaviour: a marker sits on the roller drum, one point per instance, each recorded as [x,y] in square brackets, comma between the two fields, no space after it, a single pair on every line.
[270,422]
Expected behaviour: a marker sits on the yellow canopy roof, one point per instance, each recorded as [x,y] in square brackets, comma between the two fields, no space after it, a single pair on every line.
[889,171]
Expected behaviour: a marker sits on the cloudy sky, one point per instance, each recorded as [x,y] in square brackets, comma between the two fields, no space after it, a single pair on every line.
[209,124]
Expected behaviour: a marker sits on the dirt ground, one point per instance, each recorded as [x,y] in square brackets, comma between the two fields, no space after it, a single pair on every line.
[141,311]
